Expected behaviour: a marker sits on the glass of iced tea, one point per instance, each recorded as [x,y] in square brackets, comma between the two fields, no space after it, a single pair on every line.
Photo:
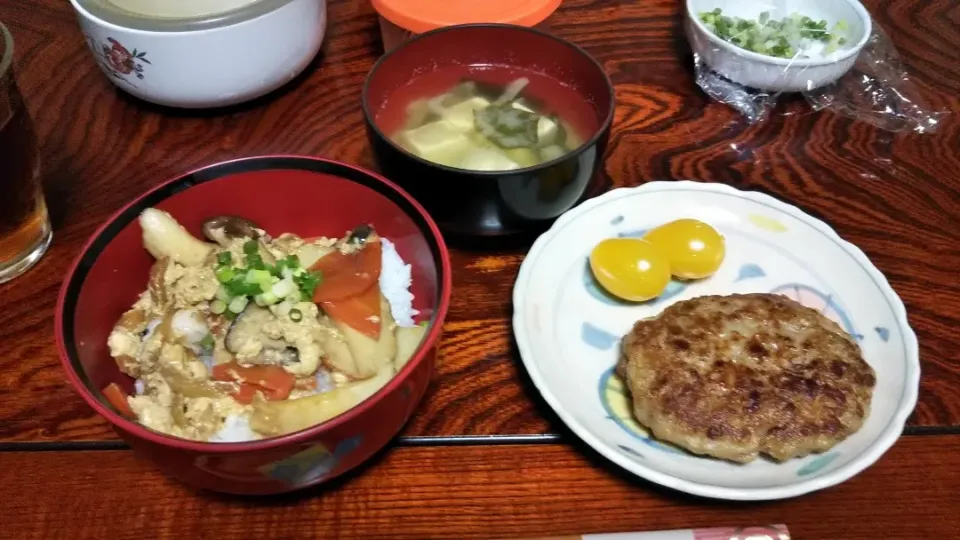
[25,230]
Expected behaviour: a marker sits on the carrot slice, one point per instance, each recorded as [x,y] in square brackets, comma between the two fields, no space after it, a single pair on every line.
[245,393]
[360,312]
[273,381]
[118,398]
[345,276]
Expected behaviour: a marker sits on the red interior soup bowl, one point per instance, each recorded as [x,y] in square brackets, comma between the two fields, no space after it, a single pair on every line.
[311,198]
[418,101]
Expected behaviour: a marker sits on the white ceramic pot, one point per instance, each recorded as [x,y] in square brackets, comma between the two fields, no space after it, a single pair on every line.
[767,72]
[206,63]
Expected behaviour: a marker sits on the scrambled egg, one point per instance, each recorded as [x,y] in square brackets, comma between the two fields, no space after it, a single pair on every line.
[177,395]
[172,338]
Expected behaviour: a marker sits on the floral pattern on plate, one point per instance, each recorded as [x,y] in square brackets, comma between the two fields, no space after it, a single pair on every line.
[568,329]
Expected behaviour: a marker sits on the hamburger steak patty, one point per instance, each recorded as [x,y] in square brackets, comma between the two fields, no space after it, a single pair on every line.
[735,376]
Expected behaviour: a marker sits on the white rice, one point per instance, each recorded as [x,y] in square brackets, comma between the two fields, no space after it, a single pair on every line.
[188,324]
[324,381]
[235,429]
[395,281]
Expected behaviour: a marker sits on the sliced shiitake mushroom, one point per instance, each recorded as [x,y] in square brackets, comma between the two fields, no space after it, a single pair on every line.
[247,328]
[224,229]
[360,234]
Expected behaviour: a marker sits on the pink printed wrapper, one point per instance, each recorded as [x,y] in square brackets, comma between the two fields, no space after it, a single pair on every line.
[761,532]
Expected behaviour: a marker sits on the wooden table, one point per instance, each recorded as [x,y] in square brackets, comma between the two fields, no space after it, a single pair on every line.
[484,457]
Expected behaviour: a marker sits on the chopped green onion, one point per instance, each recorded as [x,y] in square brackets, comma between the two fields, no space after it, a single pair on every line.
[238,286]
[296,315]
[261,277]
[224,274]
[256,262]
[207,342]
[779,38]
[218,306]
[266,299]
[223,295]
[290,262]
[307,282]
[265,284]
[283,287]
[238,304]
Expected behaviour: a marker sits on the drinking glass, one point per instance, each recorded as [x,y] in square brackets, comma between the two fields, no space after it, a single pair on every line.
[25,231]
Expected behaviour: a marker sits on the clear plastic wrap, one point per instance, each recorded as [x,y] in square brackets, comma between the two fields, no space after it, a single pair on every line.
[862,79]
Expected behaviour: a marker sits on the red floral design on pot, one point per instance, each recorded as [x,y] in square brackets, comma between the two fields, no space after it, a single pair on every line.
[120,61]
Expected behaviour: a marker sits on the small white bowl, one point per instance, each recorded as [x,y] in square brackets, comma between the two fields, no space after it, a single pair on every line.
[769,73]
[206,62]
[568,330]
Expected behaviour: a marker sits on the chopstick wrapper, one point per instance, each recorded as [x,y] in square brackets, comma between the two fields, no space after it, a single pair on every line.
[757,532]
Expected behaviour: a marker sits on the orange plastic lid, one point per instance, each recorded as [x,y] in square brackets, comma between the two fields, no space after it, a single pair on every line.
[419,16]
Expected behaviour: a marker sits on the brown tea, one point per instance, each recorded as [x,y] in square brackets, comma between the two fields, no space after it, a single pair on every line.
[24,227]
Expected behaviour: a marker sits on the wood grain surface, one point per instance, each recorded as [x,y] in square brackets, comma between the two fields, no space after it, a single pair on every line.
[466,492]
[894,195]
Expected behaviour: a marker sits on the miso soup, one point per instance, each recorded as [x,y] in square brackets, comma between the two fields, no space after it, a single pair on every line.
[479,124]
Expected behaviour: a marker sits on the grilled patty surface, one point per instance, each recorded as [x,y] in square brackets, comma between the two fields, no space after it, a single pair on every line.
[737,376]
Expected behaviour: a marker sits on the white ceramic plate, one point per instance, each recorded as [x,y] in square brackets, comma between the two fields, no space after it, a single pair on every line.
[568,330]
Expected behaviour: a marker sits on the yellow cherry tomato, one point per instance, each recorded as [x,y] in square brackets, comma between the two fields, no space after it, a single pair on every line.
[693,248]
[630,268]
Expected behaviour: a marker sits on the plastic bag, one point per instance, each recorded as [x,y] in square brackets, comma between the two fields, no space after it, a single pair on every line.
[875,88]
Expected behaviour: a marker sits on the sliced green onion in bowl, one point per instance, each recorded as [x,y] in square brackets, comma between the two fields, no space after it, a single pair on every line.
[266,299]
[238,304]
[239,287]
[218,306]
[250,247]
[283,288]
[224,274]
[785,38]
[223,294]
[307,283]
[258,276]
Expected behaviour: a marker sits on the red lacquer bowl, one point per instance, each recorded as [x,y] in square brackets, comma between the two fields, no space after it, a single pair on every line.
[306,196]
